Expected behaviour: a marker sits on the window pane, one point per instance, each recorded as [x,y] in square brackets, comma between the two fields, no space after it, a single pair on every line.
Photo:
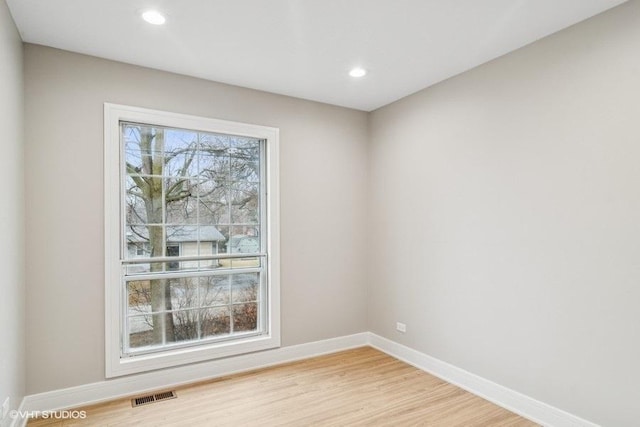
[215,321]
[213,163]
[244,287]
[245,317]
[214,200]
[179,235]
[149,330]
[245,147]
[139,297]
[146,236]
[244,203]
[140,331]
[180,153]
[157,242]
[244,239]
[185,326]
[134,198]
[181,201]
[214,291]
[184,292]
[223,245]
[133,158]
[141,147]
[214,144]
[244,169]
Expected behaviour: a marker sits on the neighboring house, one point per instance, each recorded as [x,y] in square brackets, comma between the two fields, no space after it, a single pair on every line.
[181,241]
[194,241]
[243,244]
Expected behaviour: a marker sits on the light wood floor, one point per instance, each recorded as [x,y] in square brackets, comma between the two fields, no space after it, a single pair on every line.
[360,387]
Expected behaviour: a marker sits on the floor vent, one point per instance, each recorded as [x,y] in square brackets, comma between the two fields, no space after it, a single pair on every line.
[145,400]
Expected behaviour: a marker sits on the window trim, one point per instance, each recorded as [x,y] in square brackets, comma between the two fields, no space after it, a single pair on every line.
[115,365]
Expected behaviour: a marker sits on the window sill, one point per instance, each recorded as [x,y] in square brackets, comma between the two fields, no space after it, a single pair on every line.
[183,356]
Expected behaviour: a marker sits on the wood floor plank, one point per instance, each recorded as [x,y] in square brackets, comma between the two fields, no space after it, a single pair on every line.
[360,387]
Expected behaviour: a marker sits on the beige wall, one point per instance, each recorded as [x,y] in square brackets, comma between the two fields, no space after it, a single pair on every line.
[12,351]
[323,190]
[506,213]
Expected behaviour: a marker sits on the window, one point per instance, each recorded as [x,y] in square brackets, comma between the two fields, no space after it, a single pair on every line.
[191,232]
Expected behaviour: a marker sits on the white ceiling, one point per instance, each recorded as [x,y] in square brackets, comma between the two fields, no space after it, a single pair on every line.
[304,48]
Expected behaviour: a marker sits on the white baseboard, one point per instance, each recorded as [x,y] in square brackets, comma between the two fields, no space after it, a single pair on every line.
[111,389]
[525,406]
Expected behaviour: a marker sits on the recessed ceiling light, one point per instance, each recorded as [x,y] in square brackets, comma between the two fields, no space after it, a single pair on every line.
[358,72]
[153,17]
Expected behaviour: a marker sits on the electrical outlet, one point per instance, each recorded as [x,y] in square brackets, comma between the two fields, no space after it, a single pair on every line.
[401,327]
[5,408]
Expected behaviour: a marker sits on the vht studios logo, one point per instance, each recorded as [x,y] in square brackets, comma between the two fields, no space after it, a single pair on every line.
[51,415]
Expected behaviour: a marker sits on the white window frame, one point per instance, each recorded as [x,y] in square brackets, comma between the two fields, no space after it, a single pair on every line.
[116,365]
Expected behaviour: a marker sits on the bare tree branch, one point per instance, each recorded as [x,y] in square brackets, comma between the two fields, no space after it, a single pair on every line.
[132,171]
